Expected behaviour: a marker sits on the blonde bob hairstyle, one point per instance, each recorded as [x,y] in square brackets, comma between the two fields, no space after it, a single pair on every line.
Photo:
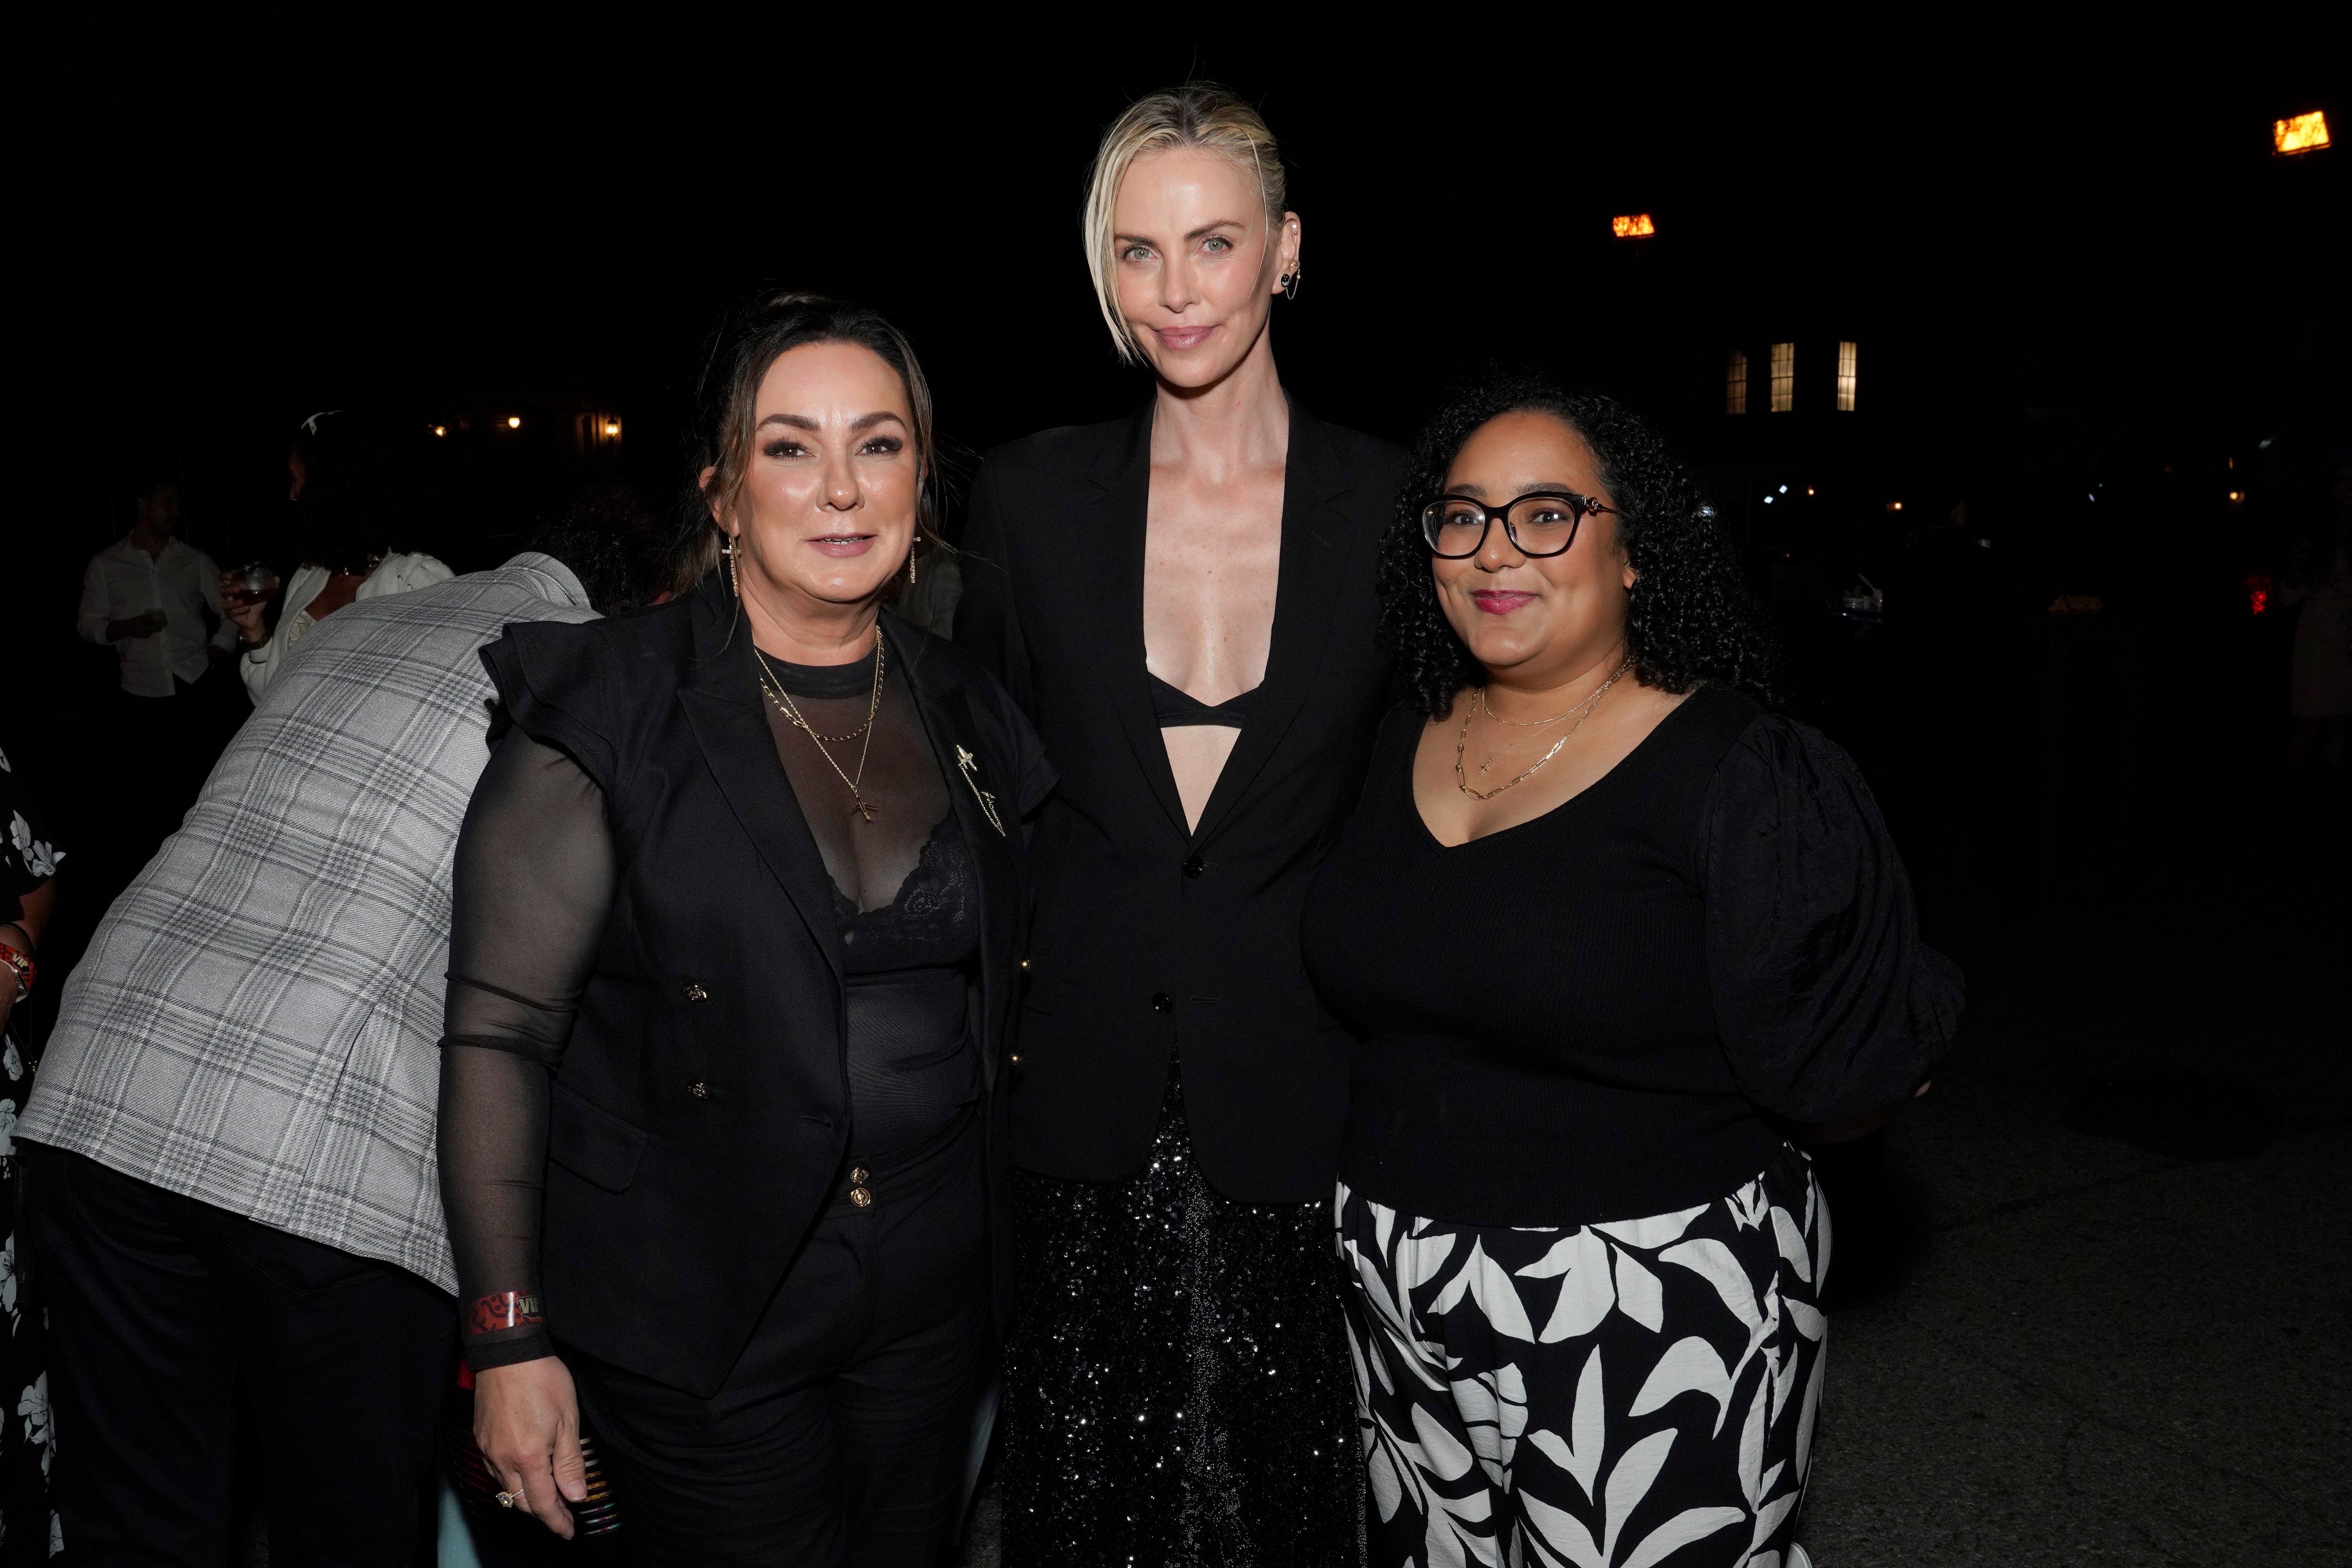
[751,341]
[1198,114]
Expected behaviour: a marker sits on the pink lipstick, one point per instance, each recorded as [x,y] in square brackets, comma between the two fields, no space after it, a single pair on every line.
[843,546]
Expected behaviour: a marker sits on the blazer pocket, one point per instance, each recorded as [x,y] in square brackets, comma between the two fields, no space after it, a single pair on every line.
[1043,991]
[593,1143]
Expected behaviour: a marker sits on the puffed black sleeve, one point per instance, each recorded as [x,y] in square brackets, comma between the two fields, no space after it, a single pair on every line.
[533,887]
[987,620]
[1829,1005]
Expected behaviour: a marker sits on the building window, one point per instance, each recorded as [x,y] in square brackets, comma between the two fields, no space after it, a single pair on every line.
[1735,383]
[1845,378]
[1784,377]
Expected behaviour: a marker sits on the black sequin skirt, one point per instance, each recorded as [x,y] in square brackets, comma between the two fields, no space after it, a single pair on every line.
[1179,1390]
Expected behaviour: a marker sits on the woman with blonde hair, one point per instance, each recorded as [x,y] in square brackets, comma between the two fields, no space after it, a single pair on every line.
[1182,601]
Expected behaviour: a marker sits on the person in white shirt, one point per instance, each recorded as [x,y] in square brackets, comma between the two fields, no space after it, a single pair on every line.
[345,490]
[148,593]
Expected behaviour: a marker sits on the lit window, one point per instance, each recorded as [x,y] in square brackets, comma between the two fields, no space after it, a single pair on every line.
[1845,378]
[1784,377]
[1735,383]
[1633,226]
[2302,134]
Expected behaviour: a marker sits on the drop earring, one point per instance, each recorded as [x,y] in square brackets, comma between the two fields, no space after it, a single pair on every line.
[1290,284]
[734,577]
[911,566]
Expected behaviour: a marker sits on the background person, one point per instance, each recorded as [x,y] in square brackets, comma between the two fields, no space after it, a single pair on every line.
[346,483]
[1608,928]
[149,595]
[230,1184]
[1182,601]
[30,858]
[732,1187]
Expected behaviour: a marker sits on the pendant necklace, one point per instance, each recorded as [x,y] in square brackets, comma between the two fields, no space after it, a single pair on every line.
[774,688]
[1584,710]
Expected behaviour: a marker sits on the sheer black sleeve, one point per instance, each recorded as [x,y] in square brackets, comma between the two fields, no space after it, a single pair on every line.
[533,887]
[1829,1005]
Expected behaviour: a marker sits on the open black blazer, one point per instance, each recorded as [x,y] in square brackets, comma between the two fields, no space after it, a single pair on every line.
[701,1113]
[1148,939]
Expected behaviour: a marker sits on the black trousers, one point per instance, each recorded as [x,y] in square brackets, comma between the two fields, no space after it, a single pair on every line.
[164,749]
[165,1314]
[841,1434]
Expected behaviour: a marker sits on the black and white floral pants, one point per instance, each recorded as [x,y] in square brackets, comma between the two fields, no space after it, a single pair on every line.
[1623,1394]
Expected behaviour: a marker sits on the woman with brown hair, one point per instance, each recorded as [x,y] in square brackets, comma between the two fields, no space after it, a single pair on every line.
[1182,601]
[738,906]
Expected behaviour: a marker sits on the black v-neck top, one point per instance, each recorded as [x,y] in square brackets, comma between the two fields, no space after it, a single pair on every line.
[1611,1011]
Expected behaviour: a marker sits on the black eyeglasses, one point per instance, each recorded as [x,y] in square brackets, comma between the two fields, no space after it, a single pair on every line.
[1541,522]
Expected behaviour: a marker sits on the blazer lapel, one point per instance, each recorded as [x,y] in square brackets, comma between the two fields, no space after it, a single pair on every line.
[721,698]
[980,790]
[1312,478]
[1115,535]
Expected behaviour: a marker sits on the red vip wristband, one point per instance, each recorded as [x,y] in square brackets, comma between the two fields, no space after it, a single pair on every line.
[22,963]
[505,1309]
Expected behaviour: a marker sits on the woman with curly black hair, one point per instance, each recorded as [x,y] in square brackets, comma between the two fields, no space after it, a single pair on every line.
[1613,935]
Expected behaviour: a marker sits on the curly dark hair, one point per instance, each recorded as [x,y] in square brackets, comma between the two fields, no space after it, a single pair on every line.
[1690,617]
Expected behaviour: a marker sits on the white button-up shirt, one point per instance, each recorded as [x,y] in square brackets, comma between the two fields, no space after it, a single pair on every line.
[124,582]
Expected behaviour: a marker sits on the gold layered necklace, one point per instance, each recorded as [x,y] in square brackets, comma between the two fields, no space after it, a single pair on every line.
[1582,711]
[771,683]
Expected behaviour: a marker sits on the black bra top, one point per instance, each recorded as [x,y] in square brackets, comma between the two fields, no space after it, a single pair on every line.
[1174,706]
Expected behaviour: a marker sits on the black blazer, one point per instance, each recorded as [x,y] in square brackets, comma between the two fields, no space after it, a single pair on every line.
[1148,939]
[700,1114]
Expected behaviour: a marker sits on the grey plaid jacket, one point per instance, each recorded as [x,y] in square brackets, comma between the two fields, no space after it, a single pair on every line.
[257,1022]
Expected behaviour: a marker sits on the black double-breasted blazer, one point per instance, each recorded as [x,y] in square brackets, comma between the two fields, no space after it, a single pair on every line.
[700,1114]
[1147,938]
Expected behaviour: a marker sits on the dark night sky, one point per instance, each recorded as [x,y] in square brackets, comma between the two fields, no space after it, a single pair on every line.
[228,233]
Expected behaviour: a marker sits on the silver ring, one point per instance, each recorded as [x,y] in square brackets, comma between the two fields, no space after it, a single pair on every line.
[509,1500]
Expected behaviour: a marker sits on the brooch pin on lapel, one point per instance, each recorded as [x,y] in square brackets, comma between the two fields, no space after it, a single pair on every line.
[987,801]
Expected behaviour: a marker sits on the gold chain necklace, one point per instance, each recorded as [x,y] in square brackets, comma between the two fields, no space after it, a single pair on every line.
[789,711]
[776,694]
[1462,742]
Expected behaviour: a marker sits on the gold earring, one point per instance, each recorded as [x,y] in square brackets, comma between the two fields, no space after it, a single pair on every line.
[734,576]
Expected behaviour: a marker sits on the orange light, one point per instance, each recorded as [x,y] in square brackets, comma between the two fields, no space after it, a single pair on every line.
[2237,495]
[1894,506]
[514,421]
[2302,133]
[440,429]
[611,427]
[1637,225]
